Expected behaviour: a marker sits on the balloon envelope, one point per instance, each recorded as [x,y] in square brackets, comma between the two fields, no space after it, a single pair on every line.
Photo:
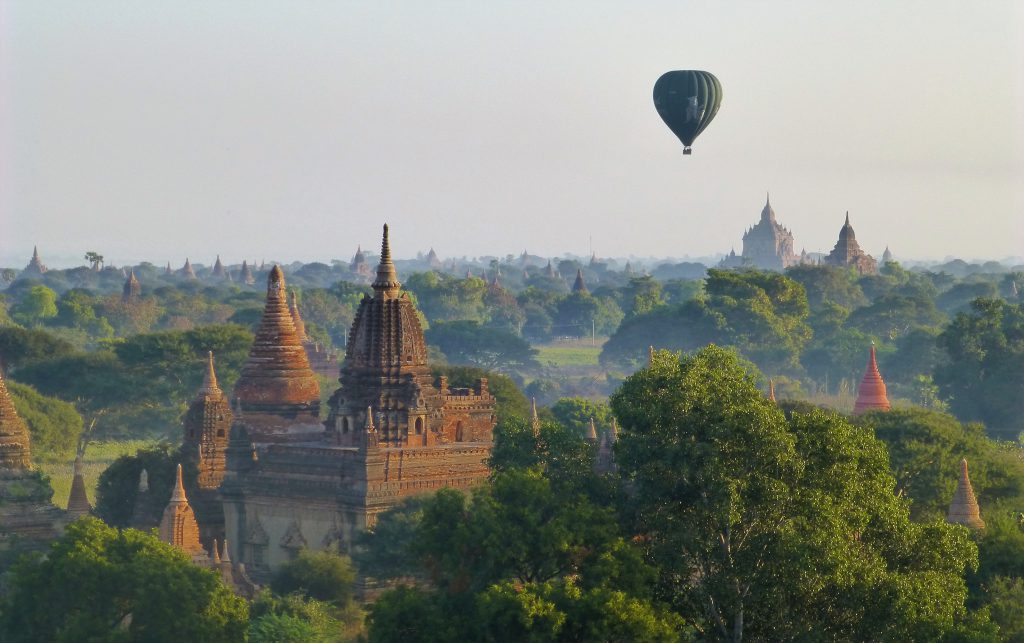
[687,101]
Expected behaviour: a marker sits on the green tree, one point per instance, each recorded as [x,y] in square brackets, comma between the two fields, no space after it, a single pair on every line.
[574,413]
[321,575]
[768,527]
[982,374]
[19,346]
[469,343]
[828,284]
[293,619]
[100,584]
[37,305]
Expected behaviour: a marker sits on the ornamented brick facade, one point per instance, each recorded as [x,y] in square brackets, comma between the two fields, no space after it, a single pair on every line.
[392,431]
[28,519]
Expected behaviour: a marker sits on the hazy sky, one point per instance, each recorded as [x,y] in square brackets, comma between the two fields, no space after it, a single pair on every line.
[292,130]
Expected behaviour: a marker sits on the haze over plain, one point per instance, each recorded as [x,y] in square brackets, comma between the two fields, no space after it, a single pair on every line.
[155,131]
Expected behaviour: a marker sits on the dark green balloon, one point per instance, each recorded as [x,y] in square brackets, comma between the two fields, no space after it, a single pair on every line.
[687,101]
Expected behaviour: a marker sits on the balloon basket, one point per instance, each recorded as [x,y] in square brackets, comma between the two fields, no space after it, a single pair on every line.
[687,151]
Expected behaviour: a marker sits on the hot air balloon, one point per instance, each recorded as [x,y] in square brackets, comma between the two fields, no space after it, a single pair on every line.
[687,101]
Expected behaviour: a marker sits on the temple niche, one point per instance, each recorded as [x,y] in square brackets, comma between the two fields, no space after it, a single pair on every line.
[392,430]
[766,245]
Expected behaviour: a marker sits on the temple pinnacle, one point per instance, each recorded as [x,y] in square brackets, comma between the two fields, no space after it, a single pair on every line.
[534,418]
[386,284]
[178,494]
[210,386]
[771,390]
[591,431]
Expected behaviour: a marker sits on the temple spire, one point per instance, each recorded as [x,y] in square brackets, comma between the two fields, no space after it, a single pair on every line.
[178,495]
[771,390]
[386,285]
[591,431]
[650,356]
[210,386]
[534,418]
[964,509]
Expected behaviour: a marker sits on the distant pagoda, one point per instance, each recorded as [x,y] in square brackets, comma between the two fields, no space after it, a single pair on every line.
[35,266]
[246,275]
[766,245]
[964,509]
[871,396]
[132,290]
[579,286]
[848,254]
[219,272]
[186,271]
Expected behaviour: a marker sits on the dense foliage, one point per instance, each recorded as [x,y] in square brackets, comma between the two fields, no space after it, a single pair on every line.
[100,584]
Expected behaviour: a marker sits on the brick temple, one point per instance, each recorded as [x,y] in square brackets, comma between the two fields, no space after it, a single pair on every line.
[286,479]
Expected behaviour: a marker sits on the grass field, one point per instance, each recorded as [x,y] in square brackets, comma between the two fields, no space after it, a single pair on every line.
[573,355]
[98,457]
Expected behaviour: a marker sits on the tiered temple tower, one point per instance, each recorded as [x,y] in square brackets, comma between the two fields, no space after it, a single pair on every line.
[964,509]
[848,254]
[392,432]
[766,245]
[360,266]
[207,426]
[871,396]
[219,272]
[277,390]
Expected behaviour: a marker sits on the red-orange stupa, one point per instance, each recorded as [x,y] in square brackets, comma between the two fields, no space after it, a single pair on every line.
[871,396]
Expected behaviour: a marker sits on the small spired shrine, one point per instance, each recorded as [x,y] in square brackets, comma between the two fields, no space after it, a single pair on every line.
[871,396]
[964,509]
[393,430]
[28,518]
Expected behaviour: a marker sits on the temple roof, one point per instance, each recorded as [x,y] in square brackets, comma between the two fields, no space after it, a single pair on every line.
[767,213]
[187,271]
[15,445]
[964,509]
[218,269]
[871,396]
